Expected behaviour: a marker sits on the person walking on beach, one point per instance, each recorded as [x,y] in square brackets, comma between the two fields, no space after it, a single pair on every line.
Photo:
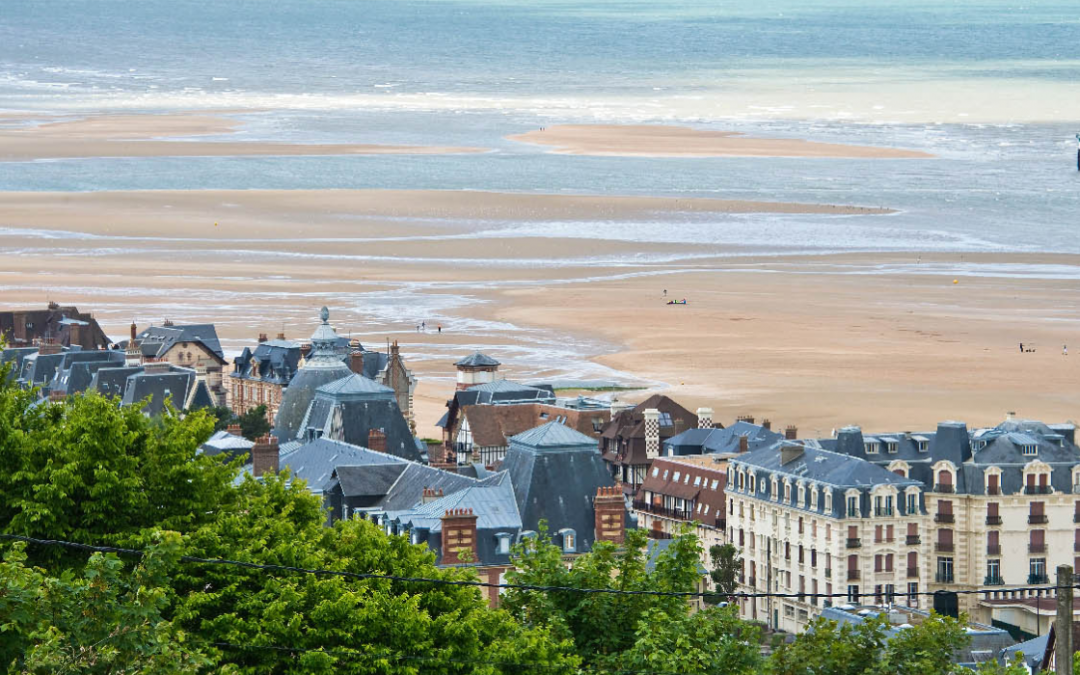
[1021,347]
[1064,350]
[440,328]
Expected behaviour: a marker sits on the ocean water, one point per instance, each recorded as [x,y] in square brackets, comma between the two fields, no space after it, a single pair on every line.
[990,86]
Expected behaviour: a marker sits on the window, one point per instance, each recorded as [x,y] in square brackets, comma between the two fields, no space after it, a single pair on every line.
[716,482]
[871,447]
[853,594]
[706,509]
[686,481]
[676,477]
[655,471]
[913,564]
[828,500]
[993,571]
[504,543]
[913,594]
[569,540]
[853,507]
[912,503]
[944,570]
[697,481]
[665,474]
[665,419]
[893,447]
[787,492]
[888,562]
[1037,571]
[924,446]
[1029,450]
[813,498]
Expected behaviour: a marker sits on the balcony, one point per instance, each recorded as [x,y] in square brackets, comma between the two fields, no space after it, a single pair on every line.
[913,573]
[753,582]
[993,490]
[1038,579]
[944,518]
[854,542]
[828,573]
[674,514]
[993,581]
[993,520]
[883,512]
[944,547]
[1037,489]
[913,540]
[1036,548]
[944,577]
[946,488]
[1038,519]
[993,549]
[853,575]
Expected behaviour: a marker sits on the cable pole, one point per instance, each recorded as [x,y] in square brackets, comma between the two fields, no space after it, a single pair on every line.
[1063,630]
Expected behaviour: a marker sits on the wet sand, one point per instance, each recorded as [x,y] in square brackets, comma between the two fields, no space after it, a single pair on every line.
[672,141]
[815,341]
[140,136]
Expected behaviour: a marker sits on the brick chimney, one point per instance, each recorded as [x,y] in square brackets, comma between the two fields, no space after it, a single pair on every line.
[376,440]
[356,362]
[155,367]
[458,536]
[134,331]
[49,346]
[281,335]
[431,494]
[618,406]
[749,419]
[264,456]
[262,338]
[234,429]
[704,418]
[744,444]
[55,395]
[791,432]
[766,424]
[652,433]
[610,510]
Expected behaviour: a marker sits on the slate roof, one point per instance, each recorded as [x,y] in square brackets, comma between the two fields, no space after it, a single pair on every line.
[77,372]
[316,461]
[273,361]
[720,441]
[493,425]
[165,337]
[224,443]
[555,472]
[478,360]
[112,381]
[59,323]
[174,385]
[623,439]
[355,387]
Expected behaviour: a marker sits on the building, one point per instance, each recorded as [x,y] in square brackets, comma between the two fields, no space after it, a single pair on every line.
[484,431]
[228,442]
[633,438]
[682,490]
[810,520]
[195,347]
[260,376]
[388,369]
[743,436]
[65,326]
[1003,505]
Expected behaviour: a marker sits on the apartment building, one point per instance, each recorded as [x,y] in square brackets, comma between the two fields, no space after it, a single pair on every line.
[811,520]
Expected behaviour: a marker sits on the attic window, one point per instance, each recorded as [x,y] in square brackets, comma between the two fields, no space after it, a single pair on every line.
[504,543]
[706,509]
[569,540]
[543,415]
[665,474]
[665,419]
[1029,449]
[893,448]
[597,424]
[686,481]
[923,446]
[676,477]
[655,471]
[715,482]
[871,448]
[697,481]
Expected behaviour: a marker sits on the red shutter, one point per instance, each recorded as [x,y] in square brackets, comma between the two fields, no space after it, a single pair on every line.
[992,538]
[944,478]
[944,507]
[912,560]
[913,529]
[1037,508]
[1043,478]
[992,509]
[853,562]
[944,536]
[1038,537]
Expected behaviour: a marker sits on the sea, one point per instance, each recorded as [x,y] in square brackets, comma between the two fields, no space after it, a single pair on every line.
[990,87]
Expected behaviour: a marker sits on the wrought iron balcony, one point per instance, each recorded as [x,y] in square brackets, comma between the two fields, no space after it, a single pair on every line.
[993,520]
[913,573]
[853,575]
[1038,579]
[1038,519]
[854,542]
[993,549]
[947,488]
[944,547]
[1036,548]
[944,518]
[993,581]
[993,490]
[913,540]
[882,512]
[1037,489]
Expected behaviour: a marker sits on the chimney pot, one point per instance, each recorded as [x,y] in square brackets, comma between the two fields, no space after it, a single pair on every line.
[705,418]
[281,336]
[610,515]
[791,432]
[356,362]
[766,424]
[262,338]
[234,429]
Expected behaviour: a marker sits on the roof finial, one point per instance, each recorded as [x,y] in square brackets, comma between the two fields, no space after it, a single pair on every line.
[324,314]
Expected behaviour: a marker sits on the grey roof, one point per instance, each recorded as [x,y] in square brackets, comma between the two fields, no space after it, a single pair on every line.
[478,360]
[374,362]
[555,476]
[200,398]
[224,443]
[112,381]
[654,548]
[355,387]
[316,461]
[158,387]
[369,480]
[554,437]
[164,337]
[274,361]
[1032,650]
[720,441]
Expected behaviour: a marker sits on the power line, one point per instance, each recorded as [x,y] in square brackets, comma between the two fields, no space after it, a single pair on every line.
[522,587]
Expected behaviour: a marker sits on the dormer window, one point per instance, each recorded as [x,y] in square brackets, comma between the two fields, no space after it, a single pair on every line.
[893,447]
[924,446]
[870,447]
[569,540]
[697,481]
[787,492]
[665,419]
[1029,450]
[666,473]
[655,471]
[828,501]
[503,543]
[678,474]
[716,481]
[686,481]
[802,494]
[813,498]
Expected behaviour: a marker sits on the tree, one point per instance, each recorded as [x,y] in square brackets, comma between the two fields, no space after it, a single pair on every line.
[88,470]
[335,624]
[727,566]
[253,423]
[611,630]
[223,417]
[107,620]
[710,642]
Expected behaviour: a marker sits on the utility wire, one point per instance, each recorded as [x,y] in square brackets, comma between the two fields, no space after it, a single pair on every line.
[521,587]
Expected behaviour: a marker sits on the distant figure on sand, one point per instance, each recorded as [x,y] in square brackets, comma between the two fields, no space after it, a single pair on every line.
[440,327]
[1064,350]
[1021,347]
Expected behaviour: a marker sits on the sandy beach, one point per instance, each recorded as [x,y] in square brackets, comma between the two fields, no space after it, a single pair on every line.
[140,136]
[884,340]
[673,141]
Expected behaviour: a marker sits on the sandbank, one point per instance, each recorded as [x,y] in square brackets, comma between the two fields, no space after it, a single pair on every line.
[141,136]
[675,141]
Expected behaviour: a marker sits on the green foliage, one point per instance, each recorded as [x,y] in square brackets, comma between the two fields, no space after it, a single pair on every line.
[710,642]
[222,416]
[88,470]
[373,622]
[108,620]
[607,629]
[727,565]
[253,423]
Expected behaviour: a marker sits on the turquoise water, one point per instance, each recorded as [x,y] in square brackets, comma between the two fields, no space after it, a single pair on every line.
[992,88]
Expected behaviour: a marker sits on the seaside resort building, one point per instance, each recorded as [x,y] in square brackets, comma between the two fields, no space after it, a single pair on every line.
[952,510]
[809,520]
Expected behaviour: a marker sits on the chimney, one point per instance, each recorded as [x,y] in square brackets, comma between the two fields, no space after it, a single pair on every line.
[766,424]
[53,305]
[431,494]
[610,510]
[49,346]
[744,444]
[749,419]
[156,367]
[652,433]
[134,331]
[618,406]
[281,336]
[458,537]
[262,338]
[704,418]
[356,362]
[791,432]
[167,323]
[55,395]
[376,440]
[394,349]
[789,452]
[234,429]
[264,456]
